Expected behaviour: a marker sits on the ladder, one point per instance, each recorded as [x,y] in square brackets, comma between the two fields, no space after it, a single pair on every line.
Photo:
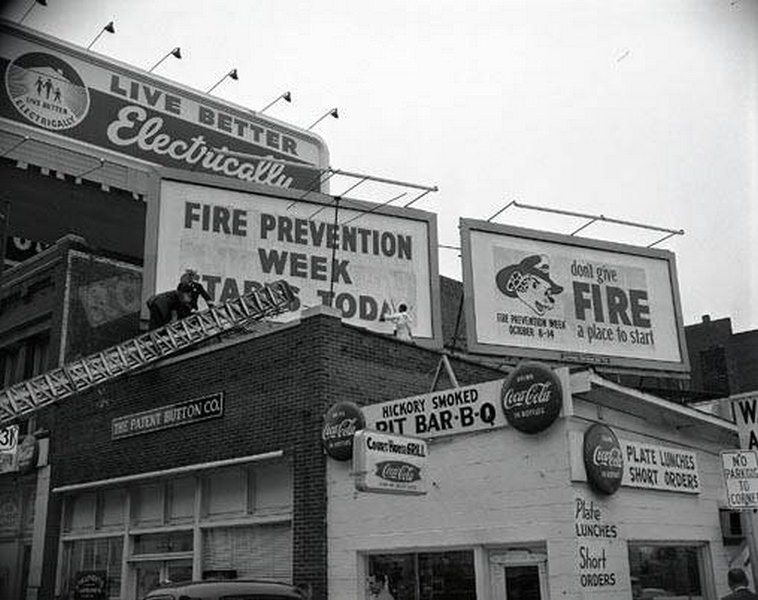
[74,377]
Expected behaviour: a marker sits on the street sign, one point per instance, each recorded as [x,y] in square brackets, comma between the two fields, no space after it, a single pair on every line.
[740,468]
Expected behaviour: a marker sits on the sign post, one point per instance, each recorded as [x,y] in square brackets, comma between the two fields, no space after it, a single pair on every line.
[744,407]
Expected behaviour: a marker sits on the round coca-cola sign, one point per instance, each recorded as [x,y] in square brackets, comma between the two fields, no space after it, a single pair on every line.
[341,422]
[603,459]
[532,397]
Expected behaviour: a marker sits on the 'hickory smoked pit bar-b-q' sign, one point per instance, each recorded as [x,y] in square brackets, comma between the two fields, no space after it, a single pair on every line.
[448,412]
[53,86]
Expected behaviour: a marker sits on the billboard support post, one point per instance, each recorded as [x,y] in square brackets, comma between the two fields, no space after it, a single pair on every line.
[334,252]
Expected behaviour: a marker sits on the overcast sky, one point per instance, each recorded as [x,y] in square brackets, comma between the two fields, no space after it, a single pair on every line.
[641,110]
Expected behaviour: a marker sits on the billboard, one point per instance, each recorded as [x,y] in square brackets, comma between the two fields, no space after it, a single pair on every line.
[555,297]
[62,89]
[372,259]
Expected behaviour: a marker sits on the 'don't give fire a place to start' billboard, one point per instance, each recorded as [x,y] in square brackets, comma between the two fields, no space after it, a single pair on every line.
[556,297]
[372,259]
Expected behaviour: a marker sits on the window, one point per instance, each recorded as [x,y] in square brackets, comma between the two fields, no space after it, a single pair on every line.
[81,512]
[257,552]
[225,492]
[714,371]
[35,356]
[89,511]
[24,359]
[147,505]
[103,554]
[110,513]
[731,527]
[272,489]
[240,491]
[8,366]
[662,571]
[181,500]
[423,576]
[163,543]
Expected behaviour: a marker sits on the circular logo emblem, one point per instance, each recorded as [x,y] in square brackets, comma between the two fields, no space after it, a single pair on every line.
[46,91]
[532,397]
[603,459]
[341,422]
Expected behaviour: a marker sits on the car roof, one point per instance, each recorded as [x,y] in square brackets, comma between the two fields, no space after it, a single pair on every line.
[223,587]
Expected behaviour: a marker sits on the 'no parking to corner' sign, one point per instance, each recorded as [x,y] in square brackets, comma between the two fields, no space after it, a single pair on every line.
[740,468]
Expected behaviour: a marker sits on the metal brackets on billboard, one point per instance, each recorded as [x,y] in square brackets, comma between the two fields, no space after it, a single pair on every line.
[322,175]
[592,219]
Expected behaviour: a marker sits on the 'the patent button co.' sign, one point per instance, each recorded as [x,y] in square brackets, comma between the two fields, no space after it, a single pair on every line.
[164,417]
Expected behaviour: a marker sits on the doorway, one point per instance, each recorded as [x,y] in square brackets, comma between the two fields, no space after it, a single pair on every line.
[519,575]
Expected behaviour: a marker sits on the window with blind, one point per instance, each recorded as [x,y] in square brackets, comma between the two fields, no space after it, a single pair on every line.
[257,552]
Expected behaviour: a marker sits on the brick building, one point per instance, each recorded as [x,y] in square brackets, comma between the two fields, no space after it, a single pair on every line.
[723,363]
[243,493]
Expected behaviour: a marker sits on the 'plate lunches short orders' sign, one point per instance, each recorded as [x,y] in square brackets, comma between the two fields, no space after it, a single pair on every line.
[164,417]
[663,468]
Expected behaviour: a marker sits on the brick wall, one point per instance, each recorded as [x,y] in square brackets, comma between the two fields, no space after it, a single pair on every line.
[743,350]
[722,362]
[103,303]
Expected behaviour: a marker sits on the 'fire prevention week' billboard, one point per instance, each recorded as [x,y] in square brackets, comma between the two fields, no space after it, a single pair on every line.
[237,240]
[66,90]
[550,296]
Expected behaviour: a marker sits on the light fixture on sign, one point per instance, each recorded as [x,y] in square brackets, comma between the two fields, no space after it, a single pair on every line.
[286,96]
[333,112]
[110,28]
[231,75]
[176,53]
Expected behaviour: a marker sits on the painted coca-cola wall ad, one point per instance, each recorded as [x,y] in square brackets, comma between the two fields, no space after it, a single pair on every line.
[55,87]
[532,397]
[390,464]
[603,459]
[341,422]
[546,296]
